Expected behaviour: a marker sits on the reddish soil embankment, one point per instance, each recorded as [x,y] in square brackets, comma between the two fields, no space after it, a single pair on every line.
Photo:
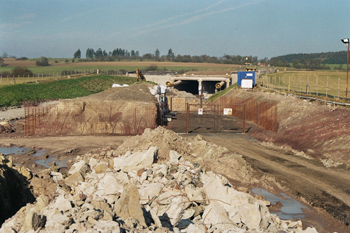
[319,130]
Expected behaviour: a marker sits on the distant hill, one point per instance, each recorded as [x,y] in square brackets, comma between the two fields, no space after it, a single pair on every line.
[325,58]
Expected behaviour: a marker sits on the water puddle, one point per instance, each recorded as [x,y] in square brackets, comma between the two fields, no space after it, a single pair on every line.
[44,162]
[291,208]
[14,150]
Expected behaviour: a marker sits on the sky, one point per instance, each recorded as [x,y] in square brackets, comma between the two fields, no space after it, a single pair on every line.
[262,28]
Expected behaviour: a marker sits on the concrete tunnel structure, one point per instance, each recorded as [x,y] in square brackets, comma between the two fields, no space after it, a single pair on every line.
[199,85]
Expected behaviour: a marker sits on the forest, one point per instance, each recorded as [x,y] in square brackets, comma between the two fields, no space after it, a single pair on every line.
[311,60]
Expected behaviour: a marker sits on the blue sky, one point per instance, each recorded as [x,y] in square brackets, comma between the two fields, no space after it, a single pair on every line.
[263,28]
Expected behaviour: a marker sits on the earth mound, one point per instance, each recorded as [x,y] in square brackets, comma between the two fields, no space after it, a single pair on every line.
[123,111]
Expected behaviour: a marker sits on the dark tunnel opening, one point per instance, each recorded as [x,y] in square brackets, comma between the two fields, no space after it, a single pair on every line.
[191,86]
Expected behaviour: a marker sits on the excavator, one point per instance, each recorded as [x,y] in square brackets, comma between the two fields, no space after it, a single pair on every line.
[140,75]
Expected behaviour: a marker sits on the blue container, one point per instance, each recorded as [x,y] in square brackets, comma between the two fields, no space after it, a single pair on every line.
[245,75]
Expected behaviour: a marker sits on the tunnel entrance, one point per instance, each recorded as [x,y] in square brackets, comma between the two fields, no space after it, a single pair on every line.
[209,86]
[192,86]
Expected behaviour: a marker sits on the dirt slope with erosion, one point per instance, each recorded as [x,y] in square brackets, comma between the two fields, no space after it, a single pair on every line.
[314,128]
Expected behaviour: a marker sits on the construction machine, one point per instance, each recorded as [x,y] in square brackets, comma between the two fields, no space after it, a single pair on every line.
[140,75]
[171,84]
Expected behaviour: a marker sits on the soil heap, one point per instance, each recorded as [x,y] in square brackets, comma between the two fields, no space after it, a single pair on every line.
[121,110]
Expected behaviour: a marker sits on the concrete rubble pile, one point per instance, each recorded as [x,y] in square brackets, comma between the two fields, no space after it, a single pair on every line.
[135,193]
[6,127]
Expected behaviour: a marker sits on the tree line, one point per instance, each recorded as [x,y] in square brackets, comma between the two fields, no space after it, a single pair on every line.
[123,54]
[310,60]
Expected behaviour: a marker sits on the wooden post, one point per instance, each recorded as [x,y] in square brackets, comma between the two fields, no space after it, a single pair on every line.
[275,120]
[327,88]
[214,117]
[187,118]
[339,88]
[244,114]
[289,85]
[316,85]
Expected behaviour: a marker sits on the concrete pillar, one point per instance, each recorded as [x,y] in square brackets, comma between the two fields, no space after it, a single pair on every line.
[227,83]
[200,87]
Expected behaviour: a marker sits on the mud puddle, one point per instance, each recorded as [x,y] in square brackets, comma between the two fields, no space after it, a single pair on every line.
[289,207]
[61,162]
[14,150]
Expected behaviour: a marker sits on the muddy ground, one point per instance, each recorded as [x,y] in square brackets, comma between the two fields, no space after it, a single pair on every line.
[288,162]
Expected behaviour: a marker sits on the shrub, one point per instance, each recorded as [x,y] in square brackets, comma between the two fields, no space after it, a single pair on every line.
[5,74]
[21,71]
[22,58]
[151,68]
[43,61]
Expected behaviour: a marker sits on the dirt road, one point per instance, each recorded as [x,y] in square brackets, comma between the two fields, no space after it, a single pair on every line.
[322,187]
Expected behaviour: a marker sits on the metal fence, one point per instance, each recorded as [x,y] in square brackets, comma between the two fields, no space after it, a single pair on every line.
[8,79]
[325,86]
[50,121]
[259,111]
[215,118]
[254,109]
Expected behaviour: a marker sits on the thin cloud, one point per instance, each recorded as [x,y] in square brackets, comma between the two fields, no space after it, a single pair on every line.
[183,15]
[151,27]
[9,26]
[89,12]
[196,17]
[27,16]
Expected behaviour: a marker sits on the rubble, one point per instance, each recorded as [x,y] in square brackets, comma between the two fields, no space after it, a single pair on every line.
[14,192]
[138,192]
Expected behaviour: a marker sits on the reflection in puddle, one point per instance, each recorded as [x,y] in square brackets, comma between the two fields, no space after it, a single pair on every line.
[291,208]
[13,150]
[44,162]
[61,163]
[39,153]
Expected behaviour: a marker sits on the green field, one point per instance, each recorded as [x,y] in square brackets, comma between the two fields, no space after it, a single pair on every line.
[14,95]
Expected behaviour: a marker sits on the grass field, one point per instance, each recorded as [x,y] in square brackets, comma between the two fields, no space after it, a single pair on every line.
[55,68]
[14,95]
[321,83]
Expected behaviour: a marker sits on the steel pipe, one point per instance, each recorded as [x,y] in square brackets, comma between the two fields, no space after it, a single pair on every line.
[219,85]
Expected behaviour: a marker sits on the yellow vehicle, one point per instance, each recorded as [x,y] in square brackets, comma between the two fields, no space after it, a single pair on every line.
[140,75]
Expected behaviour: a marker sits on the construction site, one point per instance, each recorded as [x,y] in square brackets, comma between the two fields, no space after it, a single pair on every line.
[168,147]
